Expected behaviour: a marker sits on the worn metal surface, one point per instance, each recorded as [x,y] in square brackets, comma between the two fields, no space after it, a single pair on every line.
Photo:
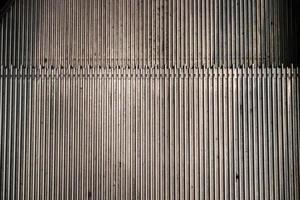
[149,133]
[64,32]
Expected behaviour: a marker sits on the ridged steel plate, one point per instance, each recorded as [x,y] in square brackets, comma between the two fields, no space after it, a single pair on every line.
[149,132]
[146,32]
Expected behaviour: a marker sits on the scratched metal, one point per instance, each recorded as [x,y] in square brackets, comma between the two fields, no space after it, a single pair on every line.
[149,133]
[146,32]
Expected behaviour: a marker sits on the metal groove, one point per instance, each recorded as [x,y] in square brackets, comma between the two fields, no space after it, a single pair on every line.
[162,132]
[181,32]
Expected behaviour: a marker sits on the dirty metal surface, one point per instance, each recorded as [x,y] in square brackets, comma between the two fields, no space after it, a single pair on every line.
[149,133]
[129,32]
[174,99]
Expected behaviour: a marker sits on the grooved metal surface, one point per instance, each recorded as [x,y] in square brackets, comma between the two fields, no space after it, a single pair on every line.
[149,133]
[4,6]
[146,32]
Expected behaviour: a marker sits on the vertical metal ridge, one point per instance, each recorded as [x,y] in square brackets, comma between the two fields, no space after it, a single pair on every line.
[150,32]
[149,100]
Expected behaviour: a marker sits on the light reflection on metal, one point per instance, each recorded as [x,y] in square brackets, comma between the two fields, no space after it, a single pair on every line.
[149,132]
[154,131]
[150,32]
